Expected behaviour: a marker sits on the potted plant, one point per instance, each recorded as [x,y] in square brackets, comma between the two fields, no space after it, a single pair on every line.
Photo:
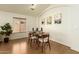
[6,30]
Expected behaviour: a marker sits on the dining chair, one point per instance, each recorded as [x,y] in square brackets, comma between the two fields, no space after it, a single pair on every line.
[44,40]
[33,38]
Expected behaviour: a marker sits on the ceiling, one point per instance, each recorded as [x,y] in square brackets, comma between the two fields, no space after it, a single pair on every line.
[23,8]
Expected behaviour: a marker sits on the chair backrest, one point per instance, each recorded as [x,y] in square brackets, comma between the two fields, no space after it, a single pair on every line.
[37,29]
[41,29]
[47,38]
[33,29]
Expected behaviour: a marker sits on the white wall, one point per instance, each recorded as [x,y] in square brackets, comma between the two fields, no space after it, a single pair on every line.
[74,27]
[67,32]
[8,17]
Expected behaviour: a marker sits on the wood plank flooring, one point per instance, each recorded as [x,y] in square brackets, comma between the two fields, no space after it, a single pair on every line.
[21,46]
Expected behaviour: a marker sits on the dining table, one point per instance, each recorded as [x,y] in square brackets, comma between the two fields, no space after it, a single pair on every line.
[40,34]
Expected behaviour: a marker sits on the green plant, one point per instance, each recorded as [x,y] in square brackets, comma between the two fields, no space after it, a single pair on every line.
[6,29]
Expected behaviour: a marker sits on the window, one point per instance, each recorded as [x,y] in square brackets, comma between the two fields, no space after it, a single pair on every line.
[19,25]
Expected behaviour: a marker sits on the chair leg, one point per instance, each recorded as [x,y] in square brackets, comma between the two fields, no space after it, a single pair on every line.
[31,42]
[49,46]
[38,43]
[28,40]
[42,47]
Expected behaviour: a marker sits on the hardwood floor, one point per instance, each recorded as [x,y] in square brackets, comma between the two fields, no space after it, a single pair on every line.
[21,46]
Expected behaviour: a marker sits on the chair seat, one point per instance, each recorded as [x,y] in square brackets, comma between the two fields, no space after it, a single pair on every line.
[33,37]
[43,40]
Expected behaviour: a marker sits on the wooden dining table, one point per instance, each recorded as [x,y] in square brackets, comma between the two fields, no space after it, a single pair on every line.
[39,35]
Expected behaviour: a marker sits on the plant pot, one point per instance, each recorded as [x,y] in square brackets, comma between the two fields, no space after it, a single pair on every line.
[6,39]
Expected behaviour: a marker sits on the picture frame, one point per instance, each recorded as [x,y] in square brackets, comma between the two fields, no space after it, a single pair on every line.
[58,18]
[49,20]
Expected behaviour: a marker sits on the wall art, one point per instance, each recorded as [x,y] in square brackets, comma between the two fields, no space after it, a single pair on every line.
[58,18]
[49,20]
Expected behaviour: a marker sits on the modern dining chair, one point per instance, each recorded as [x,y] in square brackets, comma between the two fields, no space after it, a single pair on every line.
[30,34]
[33,39]
[44,41]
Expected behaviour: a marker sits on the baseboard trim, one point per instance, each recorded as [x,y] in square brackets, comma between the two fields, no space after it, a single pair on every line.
[19,38]
[61,43]
[67,46]
[75,49]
